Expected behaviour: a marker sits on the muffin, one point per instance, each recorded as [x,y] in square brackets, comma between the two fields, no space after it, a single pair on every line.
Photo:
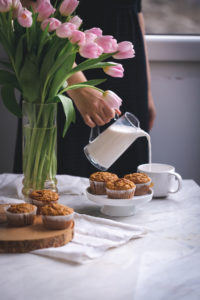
[57,216]
[120,188]
[43,197]
[98,182]
[3,218]
[21,214]
[142,182]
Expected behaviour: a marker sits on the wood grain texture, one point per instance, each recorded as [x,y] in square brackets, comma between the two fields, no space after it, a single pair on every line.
[29,238]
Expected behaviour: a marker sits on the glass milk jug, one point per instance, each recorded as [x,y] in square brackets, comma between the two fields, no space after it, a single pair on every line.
[106,147]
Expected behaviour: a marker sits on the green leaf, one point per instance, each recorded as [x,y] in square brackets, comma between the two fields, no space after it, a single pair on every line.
[8,78]
[60,77]
[44,36]
[29,79]
[87,64]
[93,82]
[19,55]
[49,58]
[89,83]
[68,110]
[101,65]
[9,100]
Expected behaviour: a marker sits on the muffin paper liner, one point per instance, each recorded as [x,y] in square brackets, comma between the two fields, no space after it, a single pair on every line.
[120,194]
[97,187]
[142,188]
[22,219]
[57,222]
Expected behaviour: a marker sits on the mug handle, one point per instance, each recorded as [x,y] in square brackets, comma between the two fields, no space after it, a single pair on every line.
[179,178]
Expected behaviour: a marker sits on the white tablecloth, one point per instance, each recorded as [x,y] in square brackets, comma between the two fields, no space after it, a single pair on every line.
[163,265]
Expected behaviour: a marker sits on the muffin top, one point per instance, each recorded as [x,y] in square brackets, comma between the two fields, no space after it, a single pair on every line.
[120,184]
[103,176]
[56,209]
[21,208]
[44,195]
[138,178]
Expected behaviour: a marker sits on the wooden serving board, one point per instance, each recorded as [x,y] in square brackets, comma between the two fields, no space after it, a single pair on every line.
[32,237]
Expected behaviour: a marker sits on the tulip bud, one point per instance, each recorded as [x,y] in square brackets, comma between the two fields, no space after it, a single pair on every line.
[112,100]
[45,9]
[115,71]
[65,30]
[108,43]
[25,18]
[77,37]
[90,50]
[76,21]
[67,7]
[97,31]
[125,50]
[5,5]
[53,24]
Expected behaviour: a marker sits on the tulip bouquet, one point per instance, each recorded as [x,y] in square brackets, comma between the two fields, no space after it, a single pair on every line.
[42,41]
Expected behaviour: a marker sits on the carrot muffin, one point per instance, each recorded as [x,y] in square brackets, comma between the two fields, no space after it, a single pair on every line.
[98,182]
[120,188]
[57,216]
[43,197]
[142,182]
[21,214]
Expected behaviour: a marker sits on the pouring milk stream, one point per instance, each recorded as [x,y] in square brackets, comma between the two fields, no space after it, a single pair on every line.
[108,146]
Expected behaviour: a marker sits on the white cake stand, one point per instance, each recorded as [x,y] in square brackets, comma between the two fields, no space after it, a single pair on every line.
[119,207]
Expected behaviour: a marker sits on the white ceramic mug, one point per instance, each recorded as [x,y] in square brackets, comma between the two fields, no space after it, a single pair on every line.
[162,176]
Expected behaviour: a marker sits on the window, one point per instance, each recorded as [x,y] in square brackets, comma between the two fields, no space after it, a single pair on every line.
[172,16]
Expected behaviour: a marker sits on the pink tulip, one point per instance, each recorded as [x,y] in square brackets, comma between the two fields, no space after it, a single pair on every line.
[77,37]
[90,37]
[17,6]
[97,31]
[125,50]
[45,9]
[65,30]
[76,21]
[115,71]
[90,50]
[5,5]
[108,43]
[112,100]
[53,24]
[25,18]
[67,7]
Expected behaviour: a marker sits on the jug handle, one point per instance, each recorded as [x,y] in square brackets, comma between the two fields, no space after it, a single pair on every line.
[94,132]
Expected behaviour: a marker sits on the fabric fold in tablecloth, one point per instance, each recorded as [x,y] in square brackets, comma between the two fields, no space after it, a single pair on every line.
[92,237]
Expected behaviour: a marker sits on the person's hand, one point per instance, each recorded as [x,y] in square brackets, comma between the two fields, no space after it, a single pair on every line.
[152,110]
[91,106]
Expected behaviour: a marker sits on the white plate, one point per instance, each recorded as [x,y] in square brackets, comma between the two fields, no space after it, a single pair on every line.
[119,207]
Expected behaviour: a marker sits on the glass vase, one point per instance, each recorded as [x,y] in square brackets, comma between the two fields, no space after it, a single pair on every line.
[39,147]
